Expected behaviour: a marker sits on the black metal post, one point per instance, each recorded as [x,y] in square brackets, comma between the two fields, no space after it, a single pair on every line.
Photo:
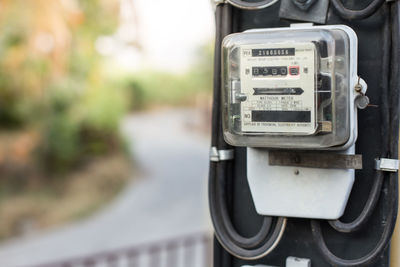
[297,240]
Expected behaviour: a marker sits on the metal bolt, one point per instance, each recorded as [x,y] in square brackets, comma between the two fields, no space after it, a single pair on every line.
[358,88]
[304,4]
[240,97]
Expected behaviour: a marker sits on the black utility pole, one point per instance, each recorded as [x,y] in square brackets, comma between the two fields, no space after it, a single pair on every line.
[378,37]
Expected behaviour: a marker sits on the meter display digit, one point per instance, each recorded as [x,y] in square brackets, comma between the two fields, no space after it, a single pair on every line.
[279,84]
[269,71]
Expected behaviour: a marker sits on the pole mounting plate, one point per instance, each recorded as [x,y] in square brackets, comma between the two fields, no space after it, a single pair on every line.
[317,12]
[315,160]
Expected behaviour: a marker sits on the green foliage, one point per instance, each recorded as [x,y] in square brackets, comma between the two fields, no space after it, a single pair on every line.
[155,88]
[80,123]
[13,111]
[202,71]
[60,147]
[61,89]
[101,112]
[104,107]
[100,17]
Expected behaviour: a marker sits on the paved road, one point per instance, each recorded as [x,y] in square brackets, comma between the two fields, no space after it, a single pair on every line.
[169,200]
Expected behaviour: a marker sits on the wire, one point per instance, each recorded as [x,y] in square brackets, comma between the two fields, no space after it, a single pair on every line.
[375,192]
[219,222]
[238,239]
[367,211]
[262,243]
[252,5]
[393,133]
[383,243]
[357,14]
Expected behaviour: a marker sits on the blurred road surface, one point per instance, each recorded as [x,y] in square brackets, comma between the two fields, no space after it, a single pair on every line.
[168,201]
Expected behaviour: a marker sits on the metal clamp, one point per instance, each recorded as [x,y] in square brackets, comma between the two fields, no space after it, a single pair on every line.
[219,2]
[387,165]
[297,262]
[247,5]
[221,155]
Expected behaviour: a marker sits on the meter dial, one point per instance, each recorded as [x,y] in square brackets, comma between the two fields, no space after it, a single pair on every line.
[279,82]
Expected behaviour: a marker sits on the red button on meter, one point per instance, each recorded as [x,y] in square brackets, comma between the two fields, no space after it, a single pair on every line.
[294,70]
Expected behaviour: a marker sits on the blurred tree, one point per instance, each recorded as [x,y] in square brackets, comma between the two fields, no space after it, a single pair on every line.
[51,75]
[62,110]
[32,49]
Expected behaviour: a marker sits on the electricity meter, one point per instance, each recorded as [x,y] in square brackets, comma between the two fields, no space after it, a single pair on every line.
[294,89]
[290,87]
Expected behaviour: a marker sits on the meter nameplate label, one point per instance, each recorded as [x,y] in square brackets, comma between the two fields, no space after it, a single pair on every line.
[279,81]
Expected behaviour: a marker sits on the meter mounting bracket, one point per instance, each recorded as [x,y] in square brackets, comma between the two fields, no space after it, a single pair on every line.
[311,159]
[317,12]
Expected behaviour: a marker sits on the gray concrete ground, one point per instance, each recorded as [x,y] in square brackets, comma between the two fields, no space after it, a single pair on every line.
[168,201]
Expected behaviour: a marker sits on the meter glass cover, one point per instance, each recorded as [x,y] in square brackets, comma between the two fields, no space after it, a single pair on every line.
[288,88]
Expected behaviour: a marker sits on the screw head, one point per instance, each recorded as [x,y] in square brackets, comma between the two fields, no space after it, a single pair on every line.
[304,4]
[358,88]
[362,101]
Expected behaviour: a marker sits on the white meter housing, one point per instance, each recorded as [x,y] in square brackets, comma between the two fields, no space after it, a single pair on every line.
[290,87]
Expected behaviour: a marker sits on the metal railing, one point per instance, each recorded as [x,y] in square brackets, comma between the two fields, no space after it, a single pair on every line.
[187,251]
